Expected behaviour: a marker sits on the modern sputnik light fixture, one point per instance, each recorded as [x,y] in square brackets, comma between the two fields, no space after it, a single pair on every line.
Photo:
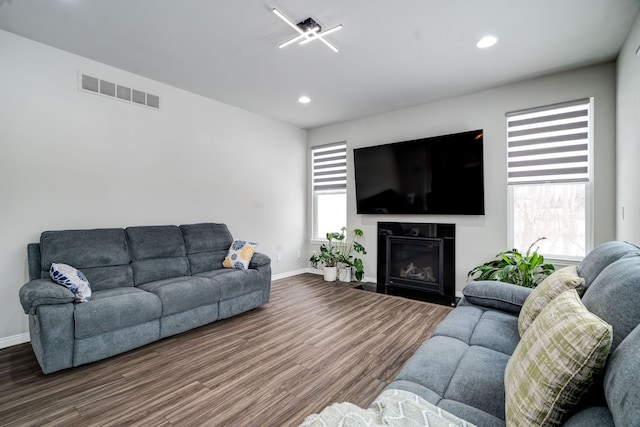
[308,31]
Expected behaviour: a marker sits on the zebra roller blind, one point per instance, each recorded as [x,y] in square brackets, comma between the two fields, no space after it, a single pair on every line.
[329,167]
[549,144]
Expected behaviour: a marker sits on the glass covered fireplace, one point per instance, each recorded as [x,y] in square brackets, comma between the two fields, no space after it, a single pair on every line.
[415,262]
[418,258]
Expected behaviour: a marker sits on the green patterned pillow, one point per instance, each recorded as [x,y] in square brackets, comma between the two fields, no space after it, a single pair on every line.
[555,362]
[559,281]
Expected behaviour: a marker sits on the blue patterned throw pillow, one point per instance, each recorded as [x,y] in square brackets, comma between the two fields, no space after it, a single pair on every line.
[73,279]
[239,255]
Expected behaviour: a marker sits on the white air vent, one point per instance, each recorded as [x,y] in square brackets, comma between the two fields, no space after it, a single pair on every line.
[113,90]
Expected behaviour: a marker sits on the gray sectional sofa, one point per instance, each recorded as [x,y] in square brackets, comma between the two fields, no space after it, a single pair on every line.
[147,283]
[461,368]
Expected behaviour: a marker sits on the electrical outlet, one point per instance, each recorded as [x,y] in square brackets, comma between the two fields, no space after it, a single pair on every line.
[279,257]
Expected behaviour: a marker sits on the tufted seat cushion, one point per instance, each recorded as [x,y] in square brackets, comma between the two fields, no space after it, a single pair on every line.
[461,367]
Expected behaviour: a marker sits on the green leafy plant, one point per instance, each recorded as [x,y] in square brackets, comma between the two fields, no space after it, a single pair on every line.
[338,249]
[513,267]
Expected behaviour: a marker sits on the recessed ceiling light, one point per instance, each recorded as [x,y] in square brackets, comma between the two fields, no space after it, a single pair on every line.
[487,41]
[304,99]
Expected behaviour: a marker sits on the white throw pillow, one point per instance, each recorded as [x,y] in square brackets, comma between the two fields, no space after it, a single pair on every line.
[73,279]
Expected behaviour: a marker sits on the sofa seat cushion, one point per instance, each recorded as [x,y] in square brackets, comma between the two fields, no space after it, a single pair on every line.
[480,373]
[445,369]
[234,283]
[113,309]
[461,367]
[496,331]
[433,365]
[180,294]
[473,325]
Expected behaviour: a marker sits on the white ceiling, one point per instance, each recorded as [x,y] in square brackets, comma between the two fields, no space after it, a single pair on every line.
[393,54]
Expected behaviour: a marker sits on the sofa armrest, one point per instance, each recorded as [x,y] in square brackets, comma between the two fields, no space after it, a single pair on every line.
[496,295]
[258,260]
[43,291]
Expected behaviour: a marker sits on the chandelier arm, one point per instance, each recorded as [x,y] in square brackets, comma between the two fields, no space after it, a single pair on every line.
[332,47]
[287,21]
[319,35]
[293,40]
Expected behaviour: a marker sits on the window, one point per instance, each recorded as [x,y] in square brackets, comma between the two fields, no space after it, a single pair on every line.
[549,179]
[329,188]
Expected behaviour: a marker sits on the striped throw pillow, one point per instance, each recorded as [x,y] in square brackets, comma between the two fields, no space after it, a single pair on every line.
[555,362]
[559,281]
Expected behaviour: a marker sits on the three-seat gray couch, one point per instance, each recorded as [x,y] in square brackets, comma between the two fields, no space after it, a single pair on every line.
[461,368]
[147,283]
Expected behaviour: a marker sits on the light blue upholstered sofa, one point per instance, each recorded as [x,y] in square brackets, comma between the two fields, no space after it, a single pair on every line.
[147,283]
[461,367]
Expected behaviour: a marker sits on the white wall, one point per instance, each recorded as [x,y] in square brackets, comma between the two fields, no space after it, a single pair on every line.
[628,138]
[71,159]
[479,238]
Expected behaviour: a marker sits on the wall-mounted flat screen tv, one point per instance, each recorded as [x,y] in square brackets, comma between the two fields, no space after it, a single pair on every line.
[439,175]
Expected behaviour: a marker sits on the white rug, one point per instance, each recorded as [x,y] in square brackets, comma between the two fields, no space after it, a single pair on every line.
[392,408]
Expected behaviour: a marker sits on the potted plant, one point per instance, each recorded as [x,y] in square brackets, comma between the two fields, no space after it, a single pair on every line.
[348,252]
[338,250]
[513,267]
[328,256]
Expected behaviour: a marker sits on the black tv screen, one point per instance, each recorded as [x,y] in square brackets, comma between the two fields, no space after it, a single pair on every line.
[439,175]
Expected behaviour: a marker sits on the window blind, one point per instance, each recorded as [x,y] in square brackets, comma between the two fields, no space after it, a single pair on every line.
[329,167]
[549,144]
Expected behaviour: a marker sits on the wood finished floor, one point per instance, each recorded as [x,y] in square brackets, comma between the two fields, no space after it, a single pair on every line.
[315,343]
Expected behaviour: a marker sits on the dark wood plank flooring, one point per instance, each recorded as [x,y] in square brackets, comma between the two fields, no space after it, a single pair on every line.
[315,343]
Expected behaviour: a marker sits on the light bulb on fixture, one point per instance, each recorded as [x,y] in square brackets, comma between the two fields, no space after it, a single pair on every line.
[304,99]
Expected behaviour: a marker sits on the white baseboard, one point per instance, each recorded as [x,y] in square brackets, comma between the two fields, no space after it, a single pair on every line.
[14,340]
[312,271]
[291,273]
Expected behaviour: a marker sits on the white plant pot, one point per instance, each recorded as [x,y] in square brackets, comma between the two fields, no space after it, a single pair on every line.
[330,273]
[344,274]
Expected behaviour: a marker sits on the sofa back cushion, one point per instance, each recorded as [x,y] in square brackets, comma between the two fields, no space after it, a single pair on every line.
[614,296]
[622,381]
[601,256]
[158,252]
[207,245]
[101,254]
